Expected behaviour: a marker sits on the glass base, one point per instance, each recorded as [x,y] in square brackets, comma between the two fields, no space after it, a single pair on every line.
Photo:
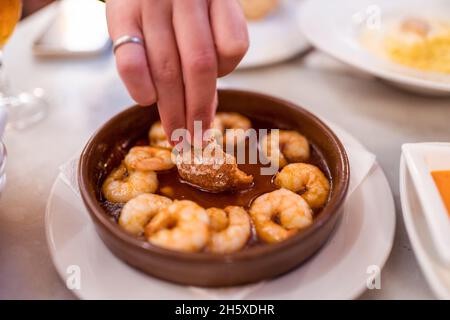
[24,109]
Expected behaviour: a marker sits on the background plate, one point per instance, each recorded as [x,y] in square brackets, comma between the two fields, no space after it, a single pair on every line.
[275,38]
[436,273]
[330,26]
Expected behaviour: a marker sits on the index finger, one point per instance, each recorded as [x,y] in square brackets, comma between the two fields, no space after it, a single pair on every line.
[198,60]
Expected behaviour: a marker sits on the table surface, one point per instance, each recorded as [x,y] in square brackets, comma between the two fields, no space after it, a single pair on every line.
[86,92]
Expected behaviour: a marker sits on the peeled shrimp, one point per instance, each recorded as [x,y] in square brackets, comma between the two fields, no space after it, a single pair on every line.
[292,211]
[306,178]
[231,229]
[158,137]
[293,147]
[137,212]
[182,226]
[123,185]
[147,158]
[232,126]
[218,219]
[233,120]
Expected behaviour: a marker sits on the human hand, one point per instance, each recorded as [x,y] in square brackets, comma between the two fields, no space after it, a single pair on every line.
[188,44]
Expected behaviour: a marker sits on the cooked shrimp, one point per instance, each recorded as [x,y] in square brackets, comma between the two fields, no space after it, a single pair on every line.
[232,126]
[292,211]
[147,158]
[137,212]
[123,185]
[233,120]
[158,137]
[231,229]
[182,226]
[293,147]
[258,9]
[306,178]
[218,218]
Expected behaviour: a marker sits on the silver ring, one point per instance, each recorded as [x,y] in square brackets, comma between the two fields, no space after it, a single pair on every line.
[126,39]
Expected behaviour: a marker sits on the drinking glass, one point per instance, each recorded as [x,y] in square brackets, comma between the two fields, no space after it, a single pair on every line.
[23,108]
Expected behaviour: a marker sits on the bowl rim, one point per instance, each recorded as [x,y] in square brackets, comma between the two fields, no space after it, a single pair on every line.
[334,205]
[3,158]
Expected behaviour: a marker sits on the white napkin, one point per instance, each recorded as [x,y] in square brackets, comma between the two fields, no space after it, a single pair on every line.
[361,163]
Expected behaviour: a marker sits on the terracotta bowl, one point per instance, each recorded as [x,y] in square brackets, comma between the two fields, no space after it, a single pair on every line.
[203,269]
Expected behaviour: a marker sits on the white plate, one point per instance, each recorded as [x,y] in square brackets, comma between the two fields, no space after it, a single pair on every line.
[331,27]
[362,239]
[437,274]
[421,159]
[275,38]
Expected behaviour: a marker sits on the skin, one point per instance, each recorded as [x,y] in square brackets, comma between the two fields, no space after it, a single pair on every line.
[188,45]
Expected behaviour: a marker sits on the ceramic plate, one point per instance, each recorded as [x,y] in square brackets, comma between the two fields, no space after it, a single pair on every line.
[436,273]
[363,238]
[335,27]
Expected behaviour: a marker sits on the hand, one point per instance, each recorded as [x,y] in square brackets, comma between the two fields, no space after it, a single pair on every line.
[188,44]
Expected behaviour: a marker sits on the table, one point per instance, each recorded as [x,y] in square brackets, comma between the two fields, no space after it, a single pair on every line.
[85,93]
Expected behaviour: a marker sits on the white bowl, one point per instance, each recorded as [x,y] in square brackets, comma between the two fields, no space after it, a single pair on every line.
[421,159]
[335,28]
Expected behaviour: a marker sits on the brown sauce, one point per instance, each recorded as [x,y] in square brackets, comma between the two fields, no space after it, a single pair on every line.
[180,190]
[171,185]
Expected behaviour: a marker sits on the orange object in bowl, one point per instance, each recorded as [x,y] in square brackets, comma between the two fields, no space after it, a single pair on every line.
[442,180]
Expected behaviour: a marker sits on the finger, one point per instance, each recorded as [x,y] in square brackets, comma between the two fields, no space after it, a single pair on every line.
[162,54]
[230,34]
[131,59]
[198,60]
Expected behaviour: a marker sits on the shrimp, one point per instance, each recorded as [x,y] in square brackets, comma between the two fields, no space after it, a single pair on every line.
[147,158]
[233,120]
[287,207]
[293,147]
[158,137]
[137,212]
[232,125]
[306,178]
[182,226]
[230,229]
[123,185]
[218,218]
